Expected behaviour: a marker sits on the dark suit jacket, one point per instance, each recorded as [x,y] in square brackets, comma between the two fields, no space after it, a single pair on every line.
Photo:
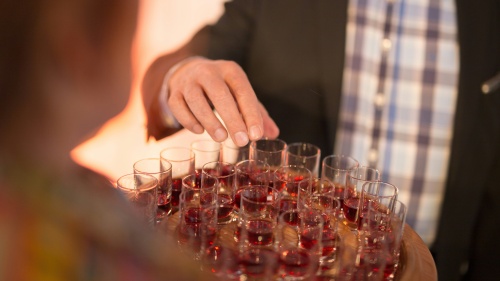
[293,54]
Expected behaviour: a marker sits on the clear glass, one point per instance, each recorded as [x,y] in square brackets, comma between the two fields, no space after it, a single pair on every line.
[162,170]
[141,191]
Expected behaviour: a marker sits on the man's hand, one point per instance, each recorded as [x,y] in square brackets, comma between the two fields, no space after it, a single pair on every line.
[201,83]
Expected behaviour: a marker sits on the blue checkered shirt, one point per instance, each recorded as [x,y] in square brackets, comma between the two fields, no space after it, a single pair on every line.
[399,97]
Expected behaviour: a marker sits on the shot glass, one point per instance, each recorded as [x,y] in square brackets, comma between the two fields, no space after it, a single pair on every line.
[295,262]
[258,217]
[225,174]
[141,191]
[328,207]
[271,152]
[162,170]
[205,150]
[394,236]
[305,155]
[325,187]
[232,153]
[222,261]
[355,180]
[255,234]
[335,169]
[375,196]
[310,231]
[199,191]
[247,173]
[292,182]
[372,255]
[258,264]
[197,228]
[344,267]
[182,160]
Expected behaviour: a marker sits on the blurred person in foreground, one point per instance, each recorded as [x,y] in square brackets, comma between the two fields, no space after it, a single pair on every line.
[394,84]
[64,70]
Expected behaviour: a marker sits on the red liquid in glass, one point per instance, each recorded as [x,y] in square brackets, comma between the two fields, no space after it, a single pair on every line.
[259,262]
[219,259]
[192,216]
[237,199]
[176,191]
[167,208]
[253,177]
[226,205]
[255,198]
[295,262]
[193,232]
[390,268]
[260,232]
[351,208]
[308,239]
[288,204]
[339,193]
[373,267]
[329,242]
[292,219]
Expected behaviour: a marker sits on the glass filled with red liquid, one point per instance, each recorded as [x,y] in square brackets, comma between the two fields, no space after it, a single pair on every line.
[376,199]
[335,169]
[258,217]
[296,262]
[141,192]
[270,151]
[328,206]
[162,170]
[294,184]
[249,173]
[225,173]
[355,180]
[182,160]
[386,217]
[258,264]
[304,154]
[197,229]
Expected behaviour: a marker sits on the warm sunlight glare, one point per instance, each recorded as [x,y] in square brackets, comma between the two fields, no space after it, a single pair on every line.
[163,25]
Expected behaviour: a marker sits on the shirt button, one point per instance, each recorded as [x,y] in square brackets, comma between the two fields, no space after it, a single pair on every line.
[372,155]
[386,44]
[379,100]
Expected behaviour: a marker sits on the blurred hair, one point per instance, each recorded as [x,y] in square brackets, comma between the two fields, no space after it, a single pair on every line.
[28,30]
[16,32]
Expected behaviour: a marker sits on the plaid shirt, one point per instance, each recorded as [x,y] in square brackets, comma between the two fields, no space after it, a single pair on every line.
[399,96]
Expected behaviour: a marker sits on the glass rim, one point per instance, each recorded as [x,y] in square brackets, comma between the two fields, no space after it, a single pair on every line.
[357,176]
[217,145]
[177,159]
[382,183]
[299,167]
[152,182]
[341,156]
[277,141]
[160,162]
[315,149]
[258,163]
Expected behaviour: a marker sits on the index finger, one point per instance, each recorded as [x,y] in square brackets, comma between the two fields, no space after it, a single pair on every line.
[247,102]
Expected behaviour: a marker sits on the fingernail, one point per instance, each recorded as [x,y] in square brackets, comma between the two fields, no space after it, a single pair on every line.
[220,135]
[255,133]
[241,138]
